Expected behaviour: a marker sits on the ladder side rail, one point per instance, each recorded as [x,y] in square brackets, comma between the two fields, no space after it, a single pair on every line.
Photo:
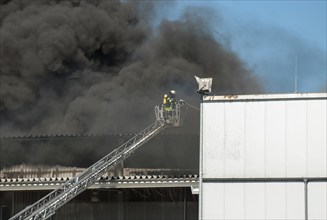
[30,209]
[117,150]
[119,159]
[87,175]
[139,142]
[92,179]
[129,148]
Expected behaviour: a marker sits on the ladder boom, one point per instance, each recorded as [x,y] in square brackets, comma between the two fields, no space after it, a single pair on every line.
[46,207]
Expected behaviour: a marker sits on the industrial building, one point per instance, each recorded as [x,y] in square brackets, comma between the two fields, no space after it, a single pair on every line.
[263,157]
[259,157]
[162,186]
[122,197]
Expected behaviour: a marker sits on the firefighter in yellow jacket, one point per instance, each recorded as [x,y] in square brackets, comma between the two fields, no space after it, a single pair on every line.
[167,103]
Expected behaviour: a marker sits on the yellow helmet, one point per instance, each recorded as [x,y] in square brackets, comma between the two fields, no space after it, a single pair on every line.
[165,96]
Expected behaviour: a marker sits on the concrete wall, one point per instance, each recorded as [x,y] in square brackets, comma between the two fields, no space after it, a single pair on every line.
[256,154]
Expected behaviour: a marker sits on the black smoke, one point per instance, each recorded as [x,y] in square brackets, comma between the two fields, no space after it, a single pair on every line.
[99,67]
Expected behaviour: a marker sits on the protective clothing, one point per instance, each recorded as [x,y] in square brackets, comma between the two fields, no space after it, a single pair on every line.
[165,99]
[166,103]
[172,99]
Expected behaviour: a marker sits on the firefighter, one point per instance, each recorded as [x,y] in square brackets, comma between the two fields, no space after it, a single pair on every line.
[172,99]
[166,103]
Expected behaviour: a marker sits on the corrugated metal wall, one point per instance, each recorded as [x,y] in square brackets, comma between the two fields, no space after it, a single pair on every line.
[120,204]
[271,200]
[263,157]
[265,139]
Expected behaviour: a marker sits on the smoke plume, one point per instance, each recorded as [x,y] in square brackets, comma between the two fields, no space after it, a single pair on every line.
[100,66]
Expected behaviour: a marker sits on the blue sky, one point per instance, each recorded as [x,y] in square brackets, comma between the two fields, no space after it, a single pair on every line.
[269,36]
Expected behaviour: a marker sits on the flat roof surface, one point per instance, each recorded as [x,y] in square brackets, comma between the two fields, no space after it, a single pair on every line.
[257,97]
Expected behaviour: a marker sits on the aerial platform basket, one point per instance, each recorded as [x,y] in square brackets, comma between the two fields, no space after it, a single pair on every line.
[172,117]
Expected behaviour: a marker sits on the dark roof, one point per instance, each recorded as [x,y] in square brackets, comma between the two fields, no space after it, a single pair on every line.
[171,150]
[138,181]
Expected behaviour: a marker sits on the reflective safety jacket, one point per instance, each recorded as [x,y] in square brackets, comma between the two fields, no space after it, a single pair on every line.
[167,103]
[165,100]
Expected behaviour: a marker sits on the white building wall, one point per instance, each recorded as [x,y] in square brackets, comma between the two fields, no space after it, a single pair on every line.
[317,201]
[264,138]
[263,201]
[251,144]
[250,201]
